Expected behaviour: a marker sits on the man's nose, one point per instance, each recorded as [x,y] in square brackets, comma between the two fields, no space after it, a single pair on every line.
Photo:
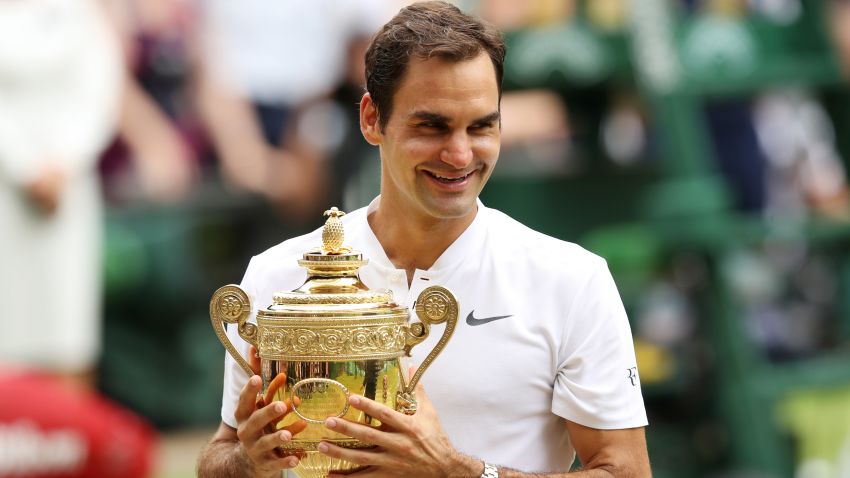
[458,151]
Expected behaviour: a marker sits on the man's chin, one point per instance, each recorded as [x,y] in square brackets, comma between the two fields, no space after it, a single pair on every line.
[452,210]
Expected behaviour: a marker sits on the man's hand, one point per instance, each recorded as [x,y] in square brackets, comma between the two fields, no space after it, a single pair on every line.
[251,449]
[407,446]
[252,423]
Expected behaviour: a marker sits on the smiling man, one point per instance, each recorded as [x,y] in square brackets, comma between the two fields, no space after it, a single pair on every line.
[543,368]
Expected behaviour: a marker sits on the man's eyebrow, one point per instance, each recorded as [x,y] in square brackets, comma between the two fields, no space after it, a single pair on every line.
[438,118]
[429,116]
[493,117]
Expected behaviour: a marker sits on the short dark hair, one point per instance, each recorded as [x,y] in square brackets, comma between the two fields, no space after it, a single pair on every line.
[426,30]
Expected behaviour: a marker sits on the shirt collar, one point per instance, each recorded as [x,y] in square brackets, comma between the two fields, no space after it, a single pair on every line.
[451,258]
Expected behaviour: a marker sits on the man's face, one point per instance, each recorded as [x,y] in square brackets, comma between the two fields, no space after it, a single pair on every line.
[442,138]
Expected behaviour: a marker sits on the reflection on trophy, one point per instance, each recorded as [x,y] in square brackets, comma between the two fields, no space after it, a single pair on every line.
[330,338]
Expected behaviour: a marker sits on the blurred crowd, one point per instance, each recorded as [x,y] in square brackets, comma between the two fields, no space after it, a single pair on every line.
[115,103]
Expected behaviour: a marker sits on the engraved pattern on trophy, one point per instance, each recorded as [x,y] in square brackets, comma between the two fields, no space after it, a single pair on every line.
[319,398]
[434,305]
[368,297]
[317,343]
[231,304]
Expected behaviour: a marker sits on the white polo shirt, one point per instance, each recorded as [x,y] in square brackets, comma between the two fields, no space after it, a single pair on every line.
[542,337]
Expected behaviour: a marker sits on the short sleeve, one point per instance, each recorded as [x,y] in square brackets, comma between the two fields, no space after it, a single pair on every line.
[597,382]
[235,377]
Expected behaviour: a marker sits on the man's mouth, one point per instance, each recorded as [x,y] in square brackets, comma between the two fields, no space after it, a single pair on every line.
[449,179]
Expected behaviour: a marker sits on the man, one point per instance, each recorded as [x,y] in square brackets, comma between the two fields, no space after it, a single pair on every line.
[542,369]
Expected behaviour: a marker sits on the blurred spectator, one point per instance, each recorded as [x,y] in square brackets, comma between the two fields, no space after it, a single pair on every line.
[806,172]
[60,86]
[510,15]
[777,153]
[268,70]
[160,140]
[839,19]
[736,151]
[355,164]
[530,116]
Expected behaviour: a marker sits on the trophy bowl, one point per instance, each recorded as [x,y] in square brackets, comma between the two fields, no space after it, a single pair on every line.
[327,339]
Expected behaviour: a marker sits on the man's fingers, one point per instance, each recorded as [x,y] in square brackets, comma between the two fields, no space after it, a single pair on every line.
[358,457]
[283,462]
[277,382]
[364,433]
[248,399]
[269,442]
[296,427]
[264,416]
[422,398]
[385,414]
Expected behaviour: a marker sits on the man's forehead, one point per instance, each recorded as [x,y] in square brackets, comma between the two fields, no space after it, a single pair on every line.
[440,72]
[428,83]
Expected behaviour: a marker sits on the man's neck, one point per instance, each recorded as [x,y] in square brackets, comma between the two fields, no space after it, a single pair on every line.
[412,241]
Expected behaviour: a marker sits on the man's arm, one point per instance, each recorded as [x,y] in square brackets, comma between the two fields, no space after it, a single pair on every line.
[603,454]
[223,456]
[413,446]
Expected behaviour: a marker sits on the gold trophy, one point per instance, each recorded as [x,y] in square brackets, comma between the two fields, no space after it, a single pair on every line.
[329,338]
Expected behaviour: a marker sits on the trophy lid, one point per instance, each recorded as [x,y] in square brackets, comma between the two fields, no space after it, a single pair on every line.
[333,286]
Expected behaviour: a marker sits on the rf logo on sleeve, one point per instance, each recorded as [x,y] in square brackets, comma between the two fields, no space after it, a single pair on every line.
[633,376]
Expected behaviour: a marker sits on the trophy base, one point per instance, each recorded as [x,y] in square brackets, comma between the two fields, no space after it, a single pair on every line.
[316,465]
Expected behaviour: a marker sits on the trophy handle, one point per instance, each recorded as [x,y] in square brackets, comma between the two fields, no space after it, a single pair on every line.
[231,304]
[434,305]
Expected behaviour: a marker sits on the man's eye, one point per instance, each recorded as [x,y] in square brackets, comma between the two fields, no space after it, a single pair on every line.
[481,126]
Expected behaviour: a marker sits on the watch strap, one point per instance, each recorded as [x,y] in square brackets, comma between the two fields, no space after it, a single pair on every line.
[490,471]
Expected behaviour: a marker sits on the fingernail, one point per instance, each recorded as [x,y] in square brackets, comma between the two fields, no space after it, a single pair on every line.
[255,380]
[323,447]
[293,462]
[285,436]
[330,423]
[279,407]
[354,400]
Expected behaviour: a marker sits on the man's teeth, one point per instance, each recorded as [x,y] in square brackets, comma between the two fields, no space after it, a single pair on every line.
[443,178]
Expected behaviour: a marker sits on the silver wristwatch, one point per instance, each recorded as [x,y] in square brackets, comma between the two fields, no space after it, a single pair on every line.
[490,471]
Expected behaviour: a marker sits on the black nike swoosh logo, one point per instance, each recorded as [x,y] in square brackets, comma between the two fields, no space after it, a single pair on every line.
[471,320]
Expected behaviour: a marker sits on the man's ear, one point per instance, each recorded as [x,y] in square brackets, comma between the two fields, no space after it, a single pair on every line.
[369,125]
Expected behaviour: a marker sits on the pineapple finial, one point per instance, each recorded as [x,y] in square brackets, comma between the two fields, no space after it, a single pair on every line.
[333,234]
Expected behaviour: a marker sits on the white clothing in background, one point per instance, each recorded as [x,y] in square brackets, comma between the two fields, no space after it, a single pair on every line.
[60,85]
[285,52]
